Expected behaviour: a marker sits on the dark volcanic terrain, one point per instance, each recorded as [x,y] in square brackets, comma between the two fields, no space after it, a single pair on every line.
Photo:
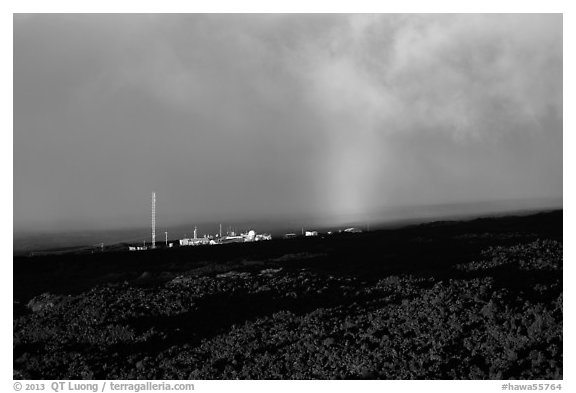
[478,299]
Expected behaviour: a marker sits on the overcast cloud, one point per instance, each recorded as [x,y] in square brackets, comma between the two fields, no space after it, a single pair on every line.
[247,116]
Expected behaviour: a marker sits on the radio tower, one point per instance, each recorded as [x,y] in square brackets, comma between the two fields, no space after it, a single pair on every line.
[153,220]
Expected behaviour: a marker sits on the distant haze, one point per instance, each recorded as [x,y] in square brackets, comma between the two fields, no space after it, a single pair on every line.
[231,117]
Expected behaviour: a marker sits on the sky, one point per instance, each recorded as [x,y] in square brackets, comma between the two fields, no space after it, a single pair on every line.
[279,115]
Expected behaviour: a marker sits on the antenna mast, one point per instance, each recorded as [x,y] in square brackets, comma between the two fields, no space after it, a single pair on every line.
[153,220]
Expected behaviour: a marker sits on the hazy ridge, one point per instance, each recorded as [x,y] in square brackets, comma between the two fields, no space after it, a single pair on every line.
[25,242]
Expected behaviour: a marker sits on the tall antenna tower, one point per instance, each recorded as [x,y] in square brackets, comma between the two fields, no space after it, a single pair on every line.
[153,220]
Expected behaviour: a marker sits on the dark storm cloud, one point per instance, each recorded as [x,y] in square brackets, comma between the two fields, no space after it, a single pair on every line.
[250,115]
